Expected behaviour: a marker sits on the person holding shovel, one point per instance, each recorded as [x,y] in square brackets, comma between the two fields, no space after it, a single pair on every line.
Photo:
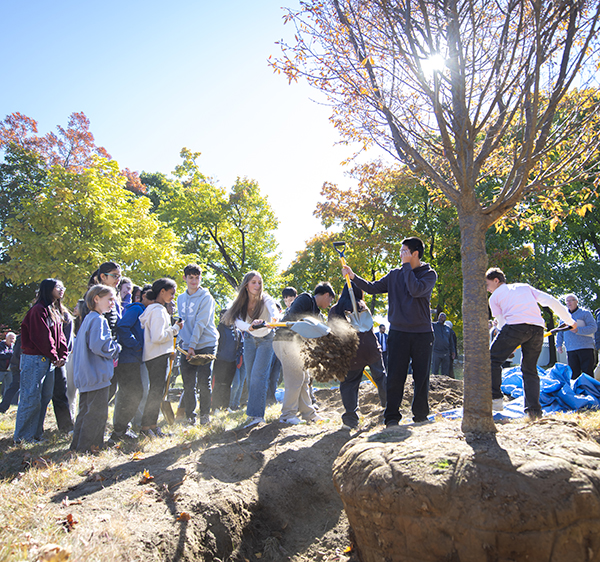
[411,335]
[515,306]
[296,397]
[199,335]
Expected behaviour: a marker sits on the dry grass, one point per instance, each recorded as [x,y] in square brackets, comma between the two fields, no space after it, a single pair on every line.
[32,474]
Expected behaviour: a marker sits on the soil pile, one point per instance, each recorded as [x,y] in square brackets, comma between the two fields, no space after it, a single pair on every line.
[262,493]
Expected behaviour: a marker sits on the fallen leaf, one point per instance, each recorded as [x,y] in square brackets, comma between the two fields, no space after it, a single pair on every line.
[69,522]
[137,456]
[146,477]
[258,554]
[184,516]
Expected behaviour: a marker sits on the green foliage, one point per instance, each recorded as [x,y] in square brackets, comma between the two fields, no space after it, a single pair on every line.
[229,232]
[80,219]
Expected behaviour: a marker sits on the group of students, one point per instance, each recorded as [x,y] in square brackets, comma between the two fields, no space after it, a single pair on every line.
[118,329]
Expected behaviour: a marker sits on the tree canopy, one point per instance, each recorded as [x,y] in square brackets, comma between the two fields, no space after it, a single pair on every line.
[461,92]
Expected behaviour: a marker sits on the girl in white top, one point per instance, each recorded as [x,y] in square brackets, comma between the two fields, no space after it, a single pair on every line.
[253,307]
[159,337]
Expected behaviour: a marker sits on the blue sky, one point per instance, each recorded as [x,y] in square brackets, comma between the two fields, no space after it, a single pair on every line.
[154,77]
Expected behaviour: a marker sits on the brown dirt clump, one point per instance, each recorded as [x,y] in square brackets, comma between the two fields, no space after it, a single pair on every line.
[329,357]
[429,493]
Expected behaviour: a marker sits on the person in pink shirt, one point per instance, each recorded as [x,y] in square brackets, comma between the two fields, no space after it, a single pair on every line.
[520,322]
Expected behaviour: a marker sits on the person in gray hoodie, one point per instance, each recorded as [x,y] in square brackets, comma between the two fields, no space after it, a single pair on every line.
[93,357]
[199,336]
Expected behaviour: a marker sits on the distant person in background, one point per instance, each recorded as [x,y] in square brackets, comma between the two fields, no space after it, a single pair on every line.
[382,338]
[580,341]
[43,348]
[125,290]
[442,347]
[289,295]
[453,348]
[11,396]
[6,351]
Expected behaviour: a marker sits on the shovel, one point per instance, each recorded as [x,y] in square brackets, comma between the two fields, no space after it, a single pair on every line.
[362,321]
[165,406]
[307,327]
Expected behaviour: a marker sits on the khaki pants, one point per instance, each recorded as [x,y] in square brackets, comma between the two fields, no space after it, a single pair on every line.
[296,397]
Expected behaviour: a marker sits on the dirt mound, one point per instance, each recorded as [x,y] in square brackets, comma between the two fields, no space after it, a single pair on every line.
[264,493]
[431,493]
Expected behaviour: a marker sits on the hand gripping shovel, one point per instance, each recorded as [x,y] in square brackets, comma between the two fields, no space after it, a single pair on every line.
[362,321]
[307,327]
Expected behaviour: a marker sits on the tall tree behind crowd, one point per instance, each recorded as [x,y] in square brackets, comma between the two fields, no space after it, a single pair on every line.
[473,83]
[231,232]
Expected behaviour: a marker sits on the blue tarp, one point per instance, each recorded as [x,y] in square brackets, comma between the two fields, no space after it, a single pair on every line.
[558,393]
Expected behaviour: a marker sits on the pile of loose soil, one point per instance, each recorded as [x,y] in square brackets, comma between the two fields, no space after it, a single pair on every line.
[262,493]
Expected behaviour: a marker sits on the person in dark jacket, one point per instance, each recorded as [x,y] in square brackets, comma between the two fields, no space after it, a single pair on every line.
[410,338]
[228,355]
[367,354]
[127,374]
[12,393]
[43,348]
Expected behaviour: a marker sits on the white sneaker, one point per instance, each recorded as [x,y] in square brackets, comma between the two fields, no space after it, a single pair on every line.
[254,421]
[497,404]
[293,420]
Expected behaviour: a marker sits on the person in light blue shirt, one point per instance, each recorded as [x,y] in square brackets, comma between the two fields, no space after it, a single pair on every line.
[579,341]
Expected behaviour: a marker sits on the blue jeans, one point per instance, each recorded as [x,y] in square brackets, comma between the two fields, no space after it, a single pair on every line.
[257,356]
[37,386]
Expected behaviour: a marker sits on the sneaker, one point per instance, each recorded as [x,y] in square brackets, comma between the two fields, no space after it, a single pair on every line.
[127,435]
[148,433]
[497,404]
[160,433]
[347,427]
[293,420]
[391,424]
[204,420]
[420,420]
[254,421]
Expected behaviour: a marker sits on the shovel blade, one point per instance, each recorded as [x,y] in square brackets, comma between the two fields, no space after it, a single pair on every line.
[310,328]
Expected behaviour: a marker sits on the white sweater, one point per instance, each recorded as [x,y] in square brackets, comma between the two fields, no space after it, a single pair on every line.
[158,332]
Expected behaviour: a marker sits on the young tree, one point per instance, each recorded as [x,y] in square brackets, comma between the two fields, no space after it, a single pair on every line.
[462,92]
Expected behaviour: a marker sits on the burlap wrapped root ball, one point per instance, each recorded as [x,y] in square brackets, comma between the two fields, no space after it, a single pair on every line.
[530,493]
[329,357]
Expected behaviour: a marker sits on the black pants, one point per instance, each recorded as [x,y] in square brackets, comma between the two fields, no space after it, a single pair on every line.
[128,396]
[440,361]
[404,347]
[196,378]
[91,420]
[581,361]
[349,391]
[223,373]
[60,402]
[531,340]
[157,373]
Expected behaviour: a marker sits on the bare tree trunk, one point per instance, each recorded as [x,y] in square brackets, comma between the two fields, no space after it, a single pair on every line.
[477,375]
